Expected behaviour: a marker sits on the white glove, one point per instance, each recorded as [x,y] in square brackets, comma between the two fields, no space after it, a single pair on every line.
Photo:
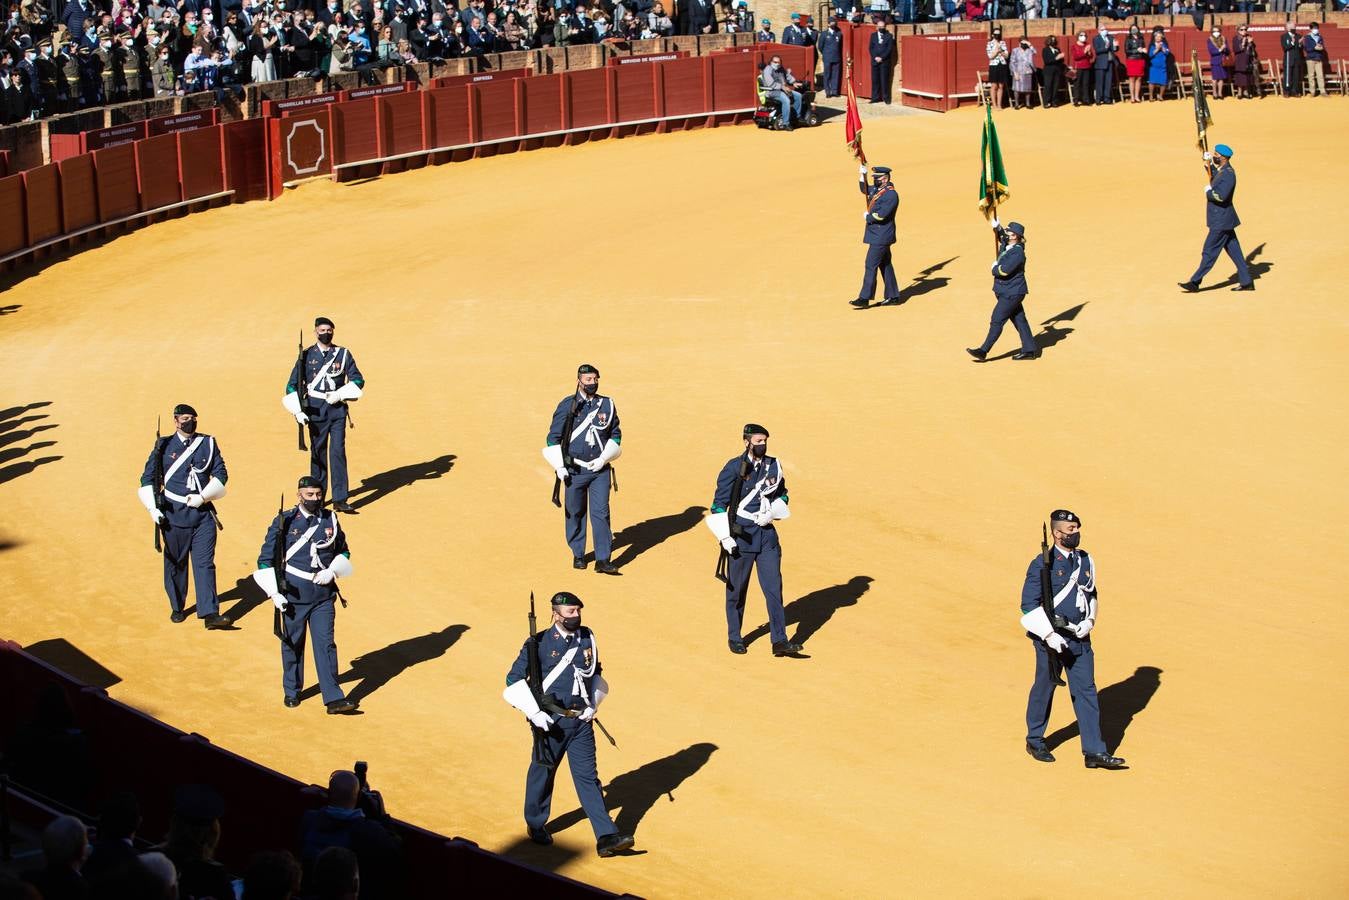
[302,418]
[862,169]
[541,720]
[728,544]
[587,714]
[593,465]
[1207,188]
[1056,642]
[324,577]
[157,516]
[193,501]
[763,517]
[1208,157]
[280,602]
[1083,628]
[866,217]
[996,223]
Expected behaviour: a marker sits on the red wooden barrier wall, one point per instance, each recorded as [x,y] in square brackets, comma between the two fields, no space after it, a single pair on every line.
[42,202]
[13,232]
[118,188]
[448,122]
[543,103]
[79,194]
[201,161]
[157,168]
[588,95]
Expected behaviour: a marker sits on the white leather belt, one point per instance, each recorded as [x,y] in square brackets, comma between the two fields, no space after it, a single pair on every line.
[172,496]
[299,573]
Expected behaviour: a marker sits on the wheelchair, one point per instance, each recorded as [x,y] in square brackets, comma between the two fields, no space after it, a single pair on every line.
[769,114]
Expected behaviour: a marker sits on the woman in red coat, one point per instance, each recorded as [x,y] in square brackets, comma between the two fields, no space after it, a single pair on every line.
[1082,56]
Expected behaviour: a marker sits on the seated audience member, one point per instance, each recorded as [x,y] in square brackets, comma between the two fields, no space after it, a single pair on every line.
[272,876]
[117,823]
[194,832]
[150,876]
[65,846]
[782,88]
[337,875]
[343,823]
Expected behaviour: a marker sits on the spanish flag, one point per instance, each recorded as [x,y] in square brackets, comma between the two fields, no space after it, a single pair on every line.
[992,176]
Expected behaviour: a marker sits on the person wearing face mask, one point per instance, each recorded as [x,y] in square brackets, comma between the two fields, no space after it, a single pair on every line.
[105,65]
[48,77]
[1314,52]
[881,50]
[309,548]
[1135,62]
[162,76]
[1072,580]
[1293,63]
[128,69]
[1009,290]
[879,236]
[183,477]
[1222,220]
[1103,65]
[830,46]
[72,77]
[751,494]
[331,380]
[561,710]
[1023,74]
[584,437]
[1218,56]
[1080,73]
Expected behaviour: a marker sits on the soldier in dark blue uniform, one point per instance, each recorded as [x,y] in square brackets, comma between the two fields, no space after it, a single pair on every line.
[332,381]
[1072,578]
[1009,288]
[314,555]
[751,495]
[831,53]
[1222,222]
[194,478]
[881,50]
[563,708]
[581,461]
[794,35]
[882,205]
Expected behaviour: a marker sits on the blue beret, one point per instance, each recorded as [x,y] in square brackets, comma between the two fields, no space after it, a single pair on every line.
[1223,150]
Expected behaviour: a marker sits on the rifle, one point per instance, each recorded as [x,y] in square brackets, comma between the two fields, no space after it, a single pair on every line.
[543,754]
[157,473]
[1047,601]
[279,566]
[301,388]
[737,530]
[567,424]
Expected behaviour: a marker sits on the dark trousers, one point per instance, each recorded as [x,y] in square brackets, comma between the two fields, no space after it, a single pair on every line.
[589,491]
[328,451]
[1080,666]
[198,543]
[1218,240]
[1105,85]
[769,564]
[880,82]
[1009,308]
[1082,86]
[575,739]
[833,78]
[878,259]
[1053,83]
[319,615]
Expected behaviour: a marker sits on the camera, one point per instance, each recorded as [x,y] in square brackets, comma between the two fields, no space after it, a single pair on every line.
[370,802]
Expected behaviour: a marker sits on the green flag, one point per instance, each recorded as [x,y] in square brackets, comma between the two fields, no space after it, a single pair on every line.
[1202,117]
[992,176]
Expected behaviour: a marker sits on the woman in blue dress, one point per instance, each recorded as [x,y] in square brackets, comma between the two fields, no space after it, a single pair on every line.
[1159,64]
[1218,54]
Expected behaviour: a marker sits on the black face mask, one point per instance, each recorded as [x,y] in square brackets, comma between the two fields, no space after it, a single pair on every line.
[590,390]
[571,623]
[189,427]
[1072,540]
[311,506]
[759,450]
[325,337]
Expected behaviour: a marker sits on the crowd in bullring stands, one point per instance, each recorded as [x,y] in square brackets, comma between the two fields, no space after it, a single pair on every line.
[341,850]
[83,53]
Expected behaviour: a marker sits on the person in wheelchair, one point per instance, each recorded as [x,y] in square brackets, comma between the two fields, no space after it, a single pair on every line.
[780,86]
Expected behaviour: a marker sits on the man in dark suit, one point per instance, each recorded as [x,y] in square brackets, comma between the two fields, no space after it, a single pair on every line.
[701,17]
[794,35]
[882,53]
[831,53]
[1103,69]
[1222,222]
[1292,60]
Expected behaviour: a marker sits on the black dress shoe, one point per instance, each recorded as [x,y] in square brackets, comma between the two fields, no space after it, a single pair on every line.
[291,702]
[978,354]
[340,707]
[859,303]
[1188,287]
[1026,354]
[1103,761]
[786,648]
[343,506]
[891,301]
[540,836]
[578,562]
[737,646]
[1244,287]
[613,844]
[1039,753]
[605,567]
[177,617]
[217,621]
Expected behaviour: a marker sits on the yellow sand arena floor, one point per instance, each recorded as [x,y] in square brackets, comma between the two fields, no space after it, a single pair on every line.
[1201,438]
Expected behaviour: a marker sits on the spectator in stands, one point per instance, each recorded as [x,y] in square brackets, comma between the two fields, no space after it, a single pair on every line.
[386,52]
[600,22]
[194,832]
[1023,74]
[343,55]
[660,24]
[781,87]
[11,888]
[336,875]
[1314,51]
[513,32]
[150,876]
[65,846]
[765,33]
[999,74]
[1052,70]
[1104,47]
[743,17]
[1135,62]
[1245,63]
[343,823]
[272,876]
[1218,55]
[700,16]
[262,48]
[74,16]
[975,11]
[1082,59]
[162,78]
[1292,60]
[50,753]
[118,820]
[1159,64]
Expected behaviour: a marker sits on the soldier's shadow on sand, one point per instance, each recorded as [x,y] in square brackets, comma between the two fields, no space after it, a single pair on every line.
[1120,702]
[1258,270]
[923,283]
[377,487]
[1051,333]
[637,539]
[378,667]
[813,611]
